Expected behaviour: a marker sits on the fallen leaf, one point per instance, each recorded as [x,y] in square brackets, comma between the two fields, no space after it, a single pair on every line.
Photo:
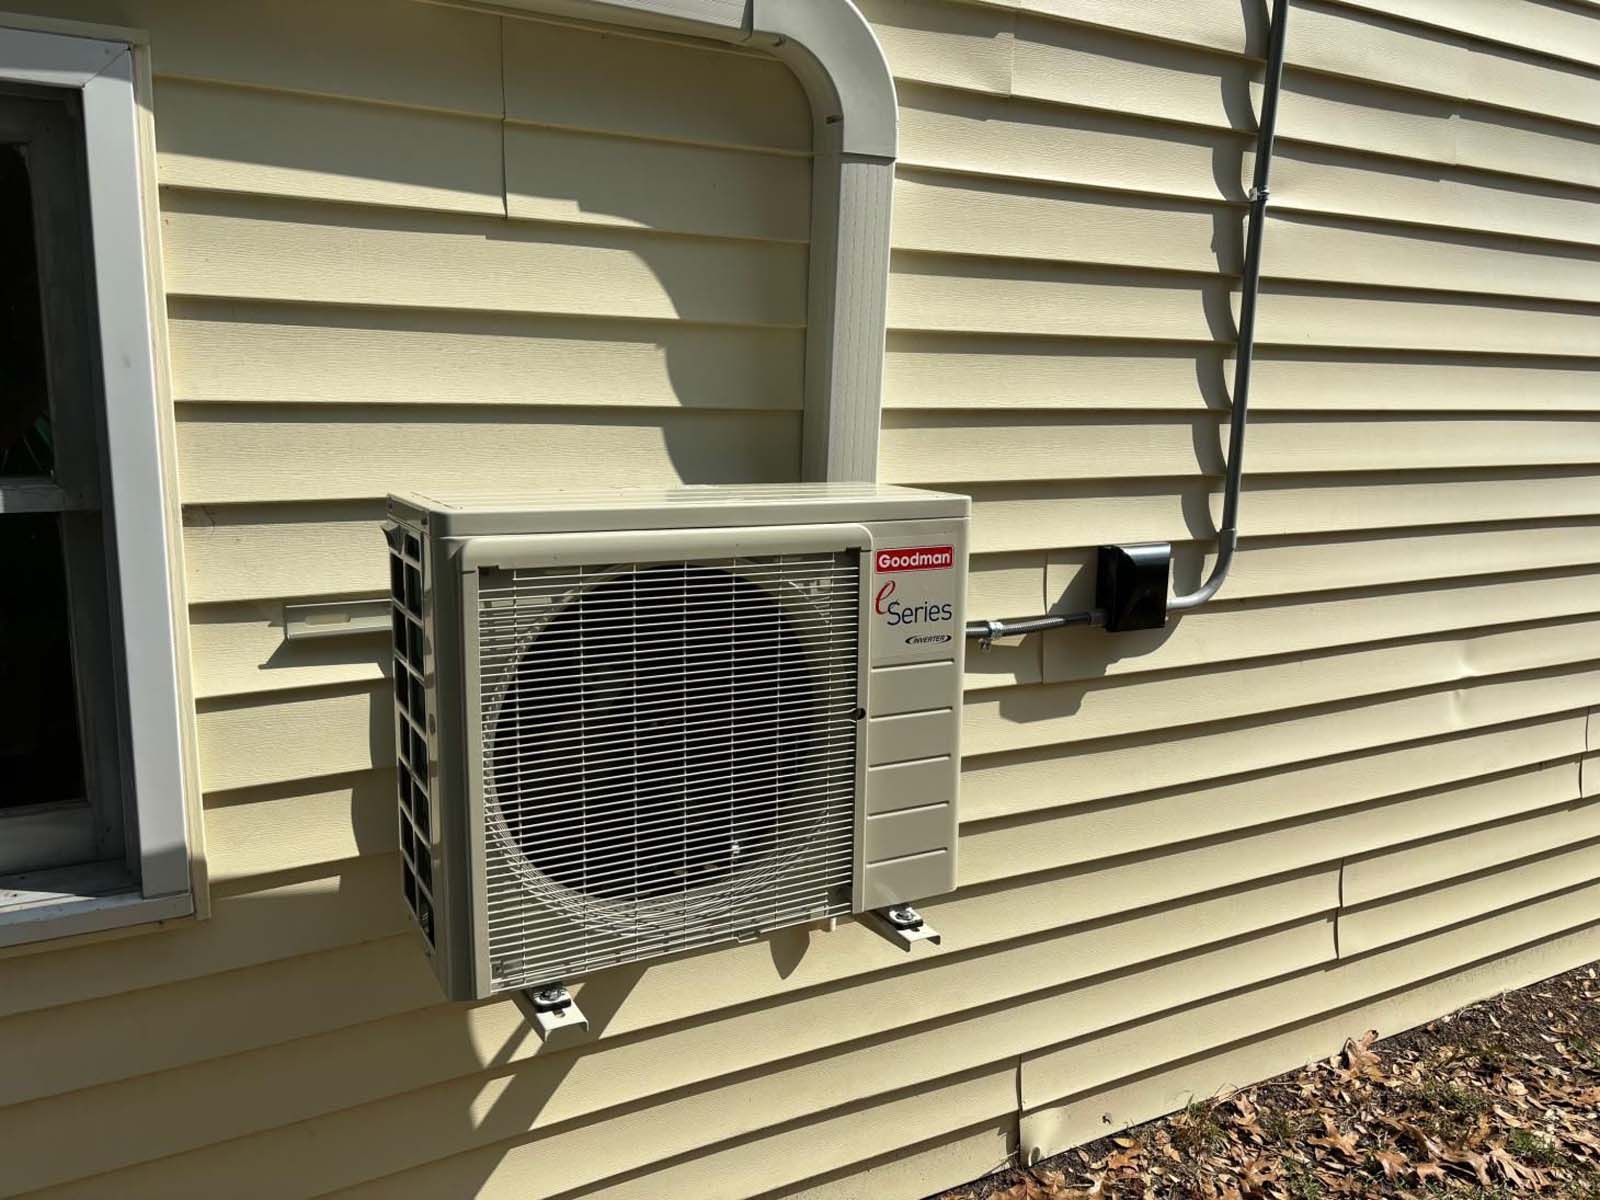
[1394,1163]
[1334,1140]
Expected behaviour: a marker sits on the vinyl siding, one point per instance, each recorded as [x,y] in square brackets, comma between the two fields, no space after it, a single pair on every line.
[406,243]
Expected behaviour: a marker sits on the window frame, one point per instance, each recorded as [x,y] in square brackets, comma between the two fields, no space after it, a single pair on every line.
[138,504]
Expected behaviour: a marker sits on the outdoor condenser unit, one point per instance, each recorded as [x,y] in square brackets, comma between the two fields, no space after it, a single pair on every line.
[635,724]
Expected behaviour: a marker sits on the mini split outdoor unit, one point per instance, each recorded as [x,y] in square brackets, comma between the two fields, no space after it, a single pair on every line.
[636,724]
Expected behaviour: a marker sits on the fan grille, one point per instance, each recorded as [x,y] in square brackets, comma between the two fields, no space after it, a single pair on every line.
[669,756]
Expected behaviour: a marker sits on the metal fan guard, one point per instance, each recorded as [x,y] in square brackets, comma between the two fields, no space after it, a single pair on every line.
[668,912]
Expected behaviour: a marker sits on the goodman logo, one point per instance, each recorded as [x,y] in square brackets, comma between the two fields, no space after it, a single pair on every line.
[915,558]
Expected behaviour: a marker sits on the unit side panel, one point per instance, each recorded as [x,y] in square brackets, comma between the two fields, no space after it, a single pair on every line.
[916,590]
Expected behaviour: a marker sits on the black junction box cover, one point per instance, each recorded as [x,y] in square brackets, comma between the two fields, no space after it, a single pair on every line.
[1130,585]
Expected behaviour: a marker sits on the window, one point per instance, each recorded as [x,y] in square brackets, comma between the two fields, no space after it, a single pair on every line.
[92,814]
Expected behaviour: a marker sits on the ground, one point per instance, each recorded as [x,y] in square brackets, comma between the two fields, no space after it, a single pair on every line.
[1495,1102]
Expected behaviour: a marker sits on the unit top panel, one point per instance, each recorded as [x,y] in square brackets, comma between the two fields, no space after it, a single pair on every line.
[468,512]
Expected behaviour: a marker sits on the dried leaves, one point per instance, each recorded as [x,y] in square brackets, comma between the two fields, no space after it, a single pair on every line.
[1498,1101]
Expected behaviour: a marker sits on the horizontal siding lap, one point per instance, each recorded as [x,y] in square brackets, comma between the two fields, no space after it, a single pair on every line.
[956,45]
[713,1115]
[1019,517]
[422,56]
[915,1170]
[248,552]
[975,920]
[1386,922]
[360,1142]
[1120,1105]
[1059,713]
[1254,630]
[950,213]
[1068,64]
[253,141]
[273,920]
[1422,865]
[1350,113]
[1281,568]
[980,447]
[577,78]
[1329,250]
[996,371]
[1363,45]
[1319,179]
[788,1156]
[1158,759]
[143,1030]
[1100,826]
[938,293]
[944,212]
[217,246]
[1007,849]
[942,293]
[1554,29]
[562,176]
[1144,1046]
[227,351]
[241,455]
[1214,24]
[1111,68]
[1033,140]
[262,831]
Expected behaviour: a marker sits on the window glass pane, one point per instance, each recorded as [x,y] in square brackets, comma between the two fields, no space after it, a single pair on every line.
[26,444]
[41,758]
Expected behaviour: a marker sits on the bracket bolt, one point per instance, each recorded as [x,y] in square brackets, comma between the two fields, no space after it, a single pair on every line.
[552,998]
[903,916]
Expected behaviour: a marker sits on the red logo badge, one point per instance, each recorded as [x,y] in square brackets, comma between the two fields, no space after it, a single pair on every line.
[915,558]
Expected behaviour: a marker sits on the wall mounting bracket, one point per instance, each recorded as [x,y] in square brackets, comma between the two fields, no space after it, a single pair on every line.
[902,925]
[553,1013]
[339,618]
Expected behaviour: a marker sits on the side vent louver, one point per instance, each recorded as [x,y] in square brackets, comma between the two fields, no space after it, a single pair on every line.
[411,727]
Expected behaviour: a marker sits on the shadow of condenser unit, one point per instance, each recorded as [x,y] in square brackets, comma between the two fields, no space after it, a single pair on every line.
[631,725]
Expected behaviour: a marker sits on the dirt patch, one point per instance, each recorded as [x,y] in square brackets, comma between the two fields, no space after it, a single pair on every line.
[1496,1101]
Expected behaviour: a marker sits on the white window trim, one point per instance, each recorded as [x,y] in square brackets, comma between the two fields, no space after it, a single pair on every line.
[139,501]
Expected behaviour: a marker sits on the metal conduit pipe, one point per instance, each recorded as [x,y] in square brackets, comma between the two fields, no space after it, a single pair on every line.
[1250,288]
[1017,626]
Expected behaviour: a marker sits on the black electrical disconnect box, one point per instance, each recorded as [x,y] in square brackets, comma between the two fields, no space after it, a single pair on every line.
[1130,586]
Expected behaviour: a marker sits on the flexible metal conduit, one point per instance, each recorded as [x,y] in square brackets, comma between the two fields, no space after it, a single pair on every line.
[1250,287]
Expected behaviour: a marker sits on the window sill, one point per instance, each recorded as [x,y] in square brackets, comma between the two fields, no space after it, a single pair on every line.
[44,905]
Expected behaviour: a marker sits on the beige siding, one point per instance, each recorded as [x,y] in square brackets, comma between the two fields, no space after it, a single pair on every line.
[407,243]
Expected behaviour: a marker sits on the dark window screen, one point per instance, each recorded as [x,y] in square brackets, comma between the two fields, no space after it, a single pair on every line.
[25,433]
[40,756]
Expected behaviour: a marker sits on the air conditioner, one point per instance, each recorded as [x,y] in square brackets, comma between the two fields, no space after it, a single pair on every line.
[629,725]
